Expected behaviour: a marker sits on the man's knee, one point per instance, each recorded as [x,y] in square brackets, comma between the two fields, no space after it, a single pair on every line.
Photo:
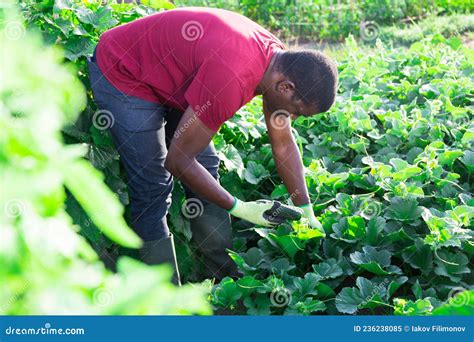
[148,213]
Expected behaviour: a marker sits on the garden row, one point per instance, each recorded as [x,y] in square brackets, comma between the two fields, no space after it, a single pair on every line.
[389,171]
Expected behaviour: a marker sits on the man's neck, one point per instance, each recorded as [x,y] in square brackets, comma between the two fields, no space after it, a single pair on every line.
[267,75]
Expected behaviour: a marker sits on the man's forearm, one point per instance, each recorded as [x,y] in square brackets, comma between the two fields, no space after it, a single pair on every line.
[198,179]
[291,170]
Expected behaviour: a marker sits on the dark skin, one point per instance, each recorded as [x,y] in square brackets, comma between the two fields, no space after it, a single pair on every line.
[278,94]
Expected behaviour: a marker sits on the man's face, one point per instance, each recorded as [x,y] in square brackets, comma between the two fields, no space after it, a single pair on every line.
[282,97]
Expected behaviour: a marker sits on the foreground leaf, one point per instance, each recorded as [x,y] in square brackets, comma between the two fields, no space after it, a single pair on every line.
[101,204]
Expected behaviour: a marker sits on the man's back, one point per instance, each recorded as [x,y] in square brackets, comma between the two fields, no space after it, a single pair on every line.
[192,56]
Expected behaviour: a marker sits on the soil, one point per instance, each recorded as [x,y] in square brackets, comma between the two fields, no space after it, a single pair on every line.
[468,40]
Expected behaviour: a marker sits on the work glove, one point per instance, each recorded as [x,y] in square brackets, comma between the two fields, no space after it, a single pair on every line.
[265,213]
[309,214]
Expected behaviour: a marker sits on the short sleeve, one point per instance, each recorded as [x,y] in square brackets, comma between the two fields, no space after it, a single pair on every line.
[215,94]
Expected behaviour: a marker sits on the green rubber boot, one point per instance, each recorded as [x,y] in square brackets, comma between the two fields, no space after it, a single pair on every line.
[161,251]
[212,235]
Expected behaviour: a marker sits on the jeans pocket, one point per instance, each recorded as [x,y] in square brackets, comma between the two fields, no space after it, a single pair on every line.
[143,116]
[131,113]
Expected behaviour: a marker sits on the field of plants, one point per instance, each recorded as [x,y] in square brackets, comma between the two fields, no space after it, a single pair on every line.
[389,170]
[334,20]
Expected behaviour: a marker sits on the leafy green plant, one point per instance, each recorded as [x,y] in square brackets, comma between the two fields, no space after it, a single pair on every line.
[45,266]
[448,25]
[76,26]
[454,6]
[335,20]
[389,170]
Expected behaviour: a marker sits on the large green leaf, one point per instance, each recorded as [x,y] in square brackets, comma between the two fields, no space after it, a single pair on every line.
[227,293]
[348,300]
[307,286]
[258,306]
[248,261]
[366,295]
[102,206]
[452,265]
[328,269]
[403,209]
[254,173]
[249,284]
[232,159]
[103,19]
[349,229]
[395,284]
[79,47]
[468,160]
[374,229]
[377,262]
[280,266]
[306,307]
[290,244]
[403,170]
[445,231]
[419,256]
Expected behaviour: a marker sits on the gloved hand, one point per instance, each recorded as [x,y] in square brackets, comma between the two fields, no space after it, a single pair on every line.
[265,213]
[309,214]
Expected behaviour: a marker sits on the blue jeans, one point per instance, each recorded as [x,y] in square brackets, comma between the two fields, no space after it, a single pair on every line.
[141,132]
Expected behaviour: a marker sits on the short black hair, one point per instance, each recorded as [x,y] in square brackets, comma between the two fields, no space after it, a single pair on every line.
[314,76]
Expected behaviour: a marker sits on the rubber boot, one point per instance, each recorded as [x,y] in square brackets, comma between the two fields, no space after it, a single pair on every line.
[212,235]
[161,251]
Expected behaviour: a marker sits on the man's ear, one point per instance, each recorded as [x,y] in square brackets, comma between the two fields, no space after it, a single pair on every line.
[285,87]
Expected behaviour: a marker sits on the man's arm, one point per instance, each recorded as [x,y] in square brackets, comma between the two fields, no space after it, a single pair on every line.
[181,160]
[287,157]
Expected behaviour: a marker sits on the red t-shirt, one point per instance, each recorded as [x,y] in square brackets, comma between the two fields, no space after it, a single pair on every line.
[209,59]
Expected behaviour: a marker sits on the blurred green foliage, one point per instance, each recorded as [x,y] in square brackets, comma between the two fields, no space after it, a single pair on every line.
[75,26]
[45,266]
[455,24]
[399,138]
[331,19]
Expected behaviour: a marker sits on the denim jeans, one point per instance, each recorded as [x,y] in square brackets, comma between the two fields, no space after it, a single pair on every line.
[141,132]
